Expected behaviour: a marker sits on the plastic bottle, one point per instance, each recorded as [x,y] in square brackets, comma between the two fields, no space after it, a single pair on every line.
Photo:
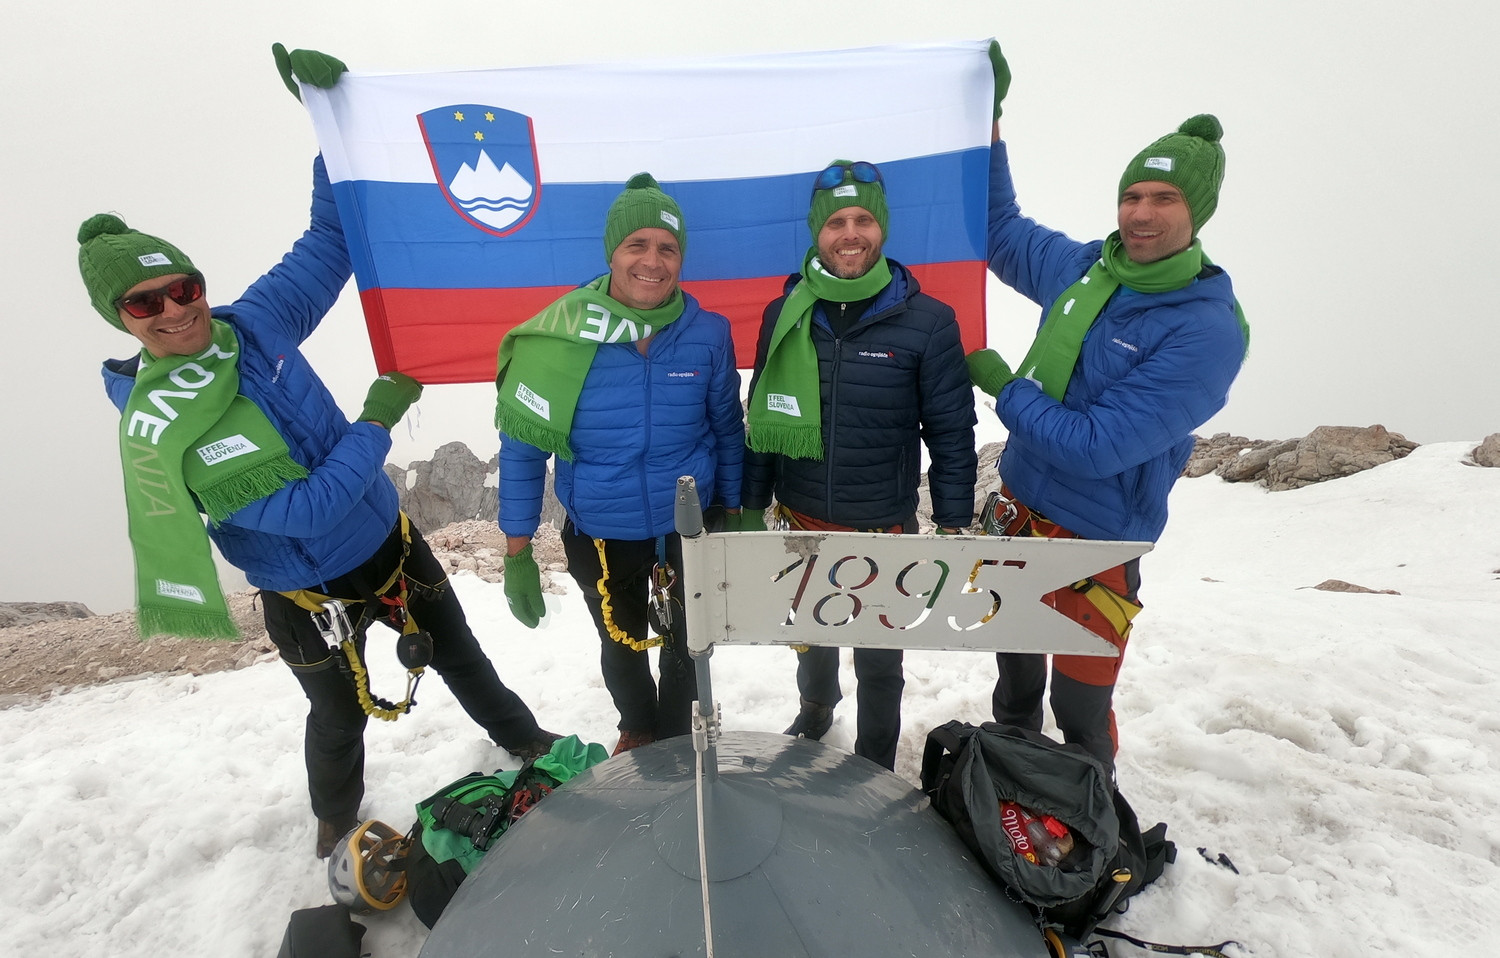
[1040,839]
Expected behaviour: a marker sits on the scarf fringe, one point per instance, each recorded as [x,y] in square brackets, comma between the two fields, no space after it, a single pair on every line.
[514,424]
[188,625]
[794,442]
[234,492]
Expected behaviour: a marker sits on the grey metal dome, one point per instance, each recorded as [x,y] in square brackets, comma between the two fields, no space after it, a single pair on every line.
[811,852]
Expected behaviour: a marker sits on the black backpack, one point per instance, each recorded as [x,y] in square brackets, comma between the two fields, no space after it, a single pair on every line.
[969,771]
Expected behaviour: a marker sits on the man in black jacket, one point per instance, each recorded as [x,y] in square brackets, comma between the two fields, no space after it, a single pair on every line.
[855,367]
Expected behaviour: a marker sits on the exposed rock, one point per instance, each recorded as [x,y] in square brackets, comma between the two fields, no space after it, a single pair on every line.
[53,656]
[1331,452]
[1339,585]
[988,479]
[1233,458]
[478,546]
[58,654]
[1487,453]
[1250,465]
[455,486]
[31,613]
[449,487]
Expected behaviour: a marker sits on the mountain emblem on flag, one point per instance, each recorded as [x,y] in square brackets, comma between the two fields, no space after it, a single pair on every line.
[484,159]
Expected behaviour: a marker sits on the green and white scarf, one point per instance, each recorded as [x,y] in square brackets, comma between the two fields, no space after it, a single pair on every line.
[785,415]
[1050,360]
[187,432]
[543,361]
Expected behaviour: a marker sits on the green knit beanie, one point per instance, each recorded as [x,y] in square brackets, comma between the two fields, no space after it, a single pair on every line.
[113,257]
[869,196]
[642,204]
[1190,159]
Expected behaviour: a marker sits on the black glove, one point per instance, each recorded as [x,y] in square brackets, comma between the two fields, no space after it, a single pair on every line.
[309,66]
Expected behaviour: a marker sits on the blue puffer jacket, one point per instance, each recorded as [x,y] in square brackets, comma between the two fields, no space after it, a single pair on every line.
[1154,367]
[895,379]
[641,422]
[323,526]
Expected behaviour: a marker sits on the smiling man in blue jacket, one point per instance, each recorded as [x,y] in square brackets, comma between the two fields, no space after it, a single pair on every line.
[222,414]
[630,384]
[1140,340]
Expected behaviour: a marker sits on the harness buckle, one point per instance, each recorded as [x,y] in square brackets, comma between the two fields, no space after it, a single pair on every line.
[998,515]
[333,624]
[659,607]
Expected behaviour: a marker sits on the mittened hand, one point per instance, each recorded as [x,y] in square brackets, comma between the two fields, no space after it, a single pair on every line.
[309,66]
[523,588]
[988,371]
[389,398]
[1002,74]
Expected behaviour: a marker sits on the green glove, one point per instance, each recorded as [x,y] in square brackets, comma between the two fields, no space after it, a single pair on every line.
[309,66]
[1002,74]
[988,371]
[944,532]
[389,398]
[523,588]
[749,520]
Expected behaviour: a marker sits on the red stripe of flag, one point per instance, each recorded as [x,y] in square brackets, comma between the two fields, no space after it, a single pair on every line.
[453,335]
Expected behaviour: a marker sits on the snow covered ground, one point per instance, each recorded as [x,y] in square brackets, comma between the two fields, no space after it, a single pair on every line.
[1341,749]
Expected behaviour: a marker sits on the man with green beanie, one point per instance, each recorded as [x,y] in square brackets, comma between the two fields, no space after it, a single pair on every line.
[855,369]
[630,384]
[1140,339]
[223,415]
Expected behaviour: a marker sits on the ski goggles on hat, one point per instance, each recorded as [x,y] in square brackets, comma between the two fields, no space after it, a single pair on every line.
[862,172]
[151,302]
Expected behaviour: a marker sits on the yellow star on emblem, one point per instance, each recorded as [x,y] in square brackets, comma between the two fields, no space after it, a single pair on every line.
[458,115]
[478,134]
[490,116]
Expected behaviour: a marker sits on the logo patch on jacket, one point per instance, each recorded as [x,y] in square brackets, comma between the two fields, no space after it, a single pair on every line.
[686,374]
[876,354]
[1124,345]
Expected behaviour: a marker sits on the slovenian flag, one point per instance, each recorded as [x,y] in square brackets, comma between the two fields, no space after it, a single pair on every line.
[473,199]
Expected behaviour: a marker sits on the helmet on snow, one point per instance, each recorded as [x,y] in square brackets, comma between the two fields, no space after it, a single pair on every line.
[367,870]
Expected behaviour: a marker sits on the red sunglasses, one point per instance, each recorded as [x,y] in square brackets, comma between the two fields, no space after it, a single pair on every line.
[151,302]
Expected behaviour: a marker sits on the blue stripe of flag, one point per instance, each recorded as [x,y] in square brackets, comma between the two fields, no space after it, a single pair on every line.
[737,229]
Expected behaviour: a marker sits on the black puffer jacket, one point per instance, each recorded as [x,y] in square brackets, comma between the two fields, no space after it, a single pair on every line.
[897,377]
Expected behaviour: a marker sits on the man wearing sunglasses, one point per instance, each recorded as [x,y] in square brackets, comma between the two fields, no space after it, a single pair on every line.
[1140,339]
[223,415]
[855,368]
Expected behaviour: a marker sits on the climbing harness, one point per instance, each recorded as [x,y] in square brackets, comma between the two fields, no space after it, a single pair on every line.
[413,648]
[607,610]
[663,610]
[1003,516]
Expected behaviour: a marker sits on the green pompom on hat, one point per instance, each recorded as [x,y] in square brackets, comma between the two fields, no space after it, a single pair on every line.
[642,204]
[112,257]
[1190,159]
[868,196]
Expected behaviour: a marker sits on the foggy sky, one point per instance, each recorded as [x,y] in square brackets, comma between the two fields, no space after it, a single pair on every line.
[1354,217]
